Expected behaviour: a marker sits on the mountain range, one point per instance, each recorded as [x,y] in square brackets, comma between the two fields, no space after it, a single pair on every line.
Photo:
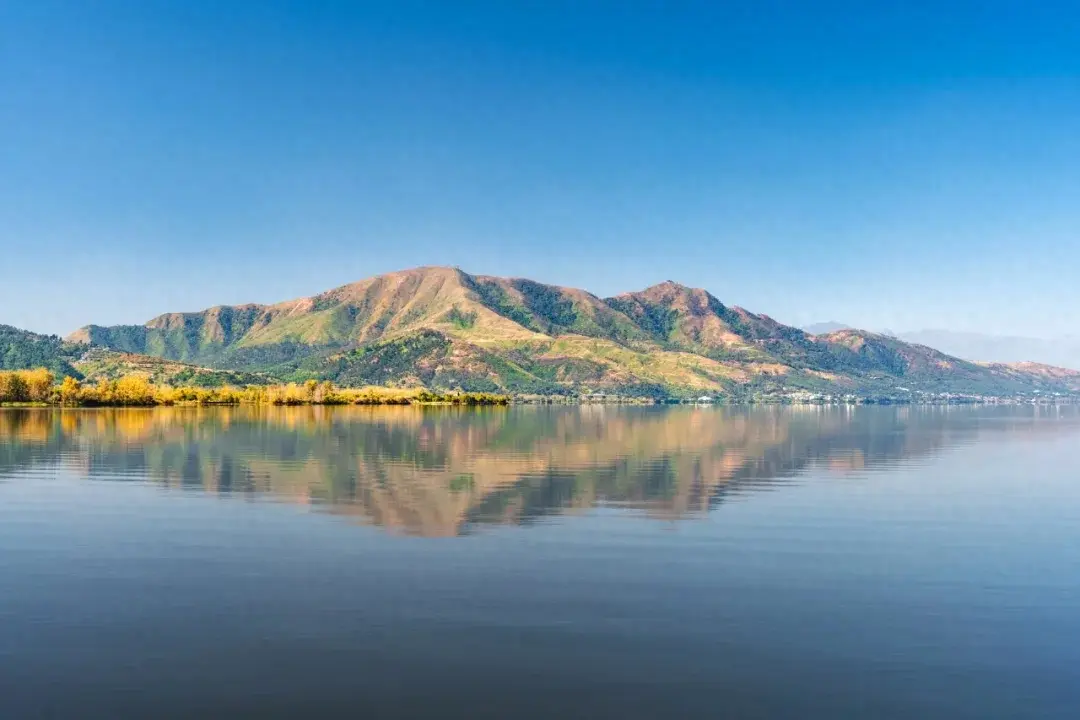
[445,328]
[1061,351]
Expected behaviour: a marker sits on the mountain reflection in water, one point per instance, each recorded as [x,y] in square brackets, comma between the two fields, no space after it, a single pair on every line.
[443,471]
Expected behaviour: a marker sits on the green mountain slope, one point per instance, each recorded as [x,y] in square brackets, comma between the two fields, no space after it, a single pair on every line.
[24,350]
[445,328]
[692,319]
[349,316]
[95,364]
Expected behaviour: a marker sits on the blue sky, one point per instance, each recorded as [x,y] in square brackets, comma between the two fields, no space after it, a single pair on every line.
[899,165]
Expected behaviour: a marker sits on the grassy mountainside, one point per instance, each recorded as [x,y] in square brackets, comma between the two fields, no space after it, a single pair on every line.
[444,328]
[101,364]
[24,350]
[691,319]
[1028,370]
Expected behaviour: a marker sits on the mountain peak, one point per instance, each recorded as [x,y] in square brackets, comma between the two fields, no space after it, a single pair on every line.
[667,287]
[443,327]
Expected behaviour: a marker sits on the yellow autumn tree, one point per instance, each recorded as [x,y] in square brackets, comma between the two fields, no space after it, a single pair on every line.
[134,390]
[13,387]
[102,393]
[39,384]
[69,391]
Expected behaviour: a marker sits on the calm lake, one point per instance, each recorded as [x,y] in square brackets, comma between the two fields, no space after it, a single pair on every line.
[528,562]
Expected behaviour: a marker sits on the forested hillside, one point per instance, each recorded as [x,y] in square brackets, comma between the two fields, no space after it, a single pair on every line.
[24,350]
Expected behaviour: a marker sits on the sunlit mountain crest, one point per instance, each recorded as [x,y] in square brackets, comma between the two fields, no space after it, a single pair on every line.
[445,328]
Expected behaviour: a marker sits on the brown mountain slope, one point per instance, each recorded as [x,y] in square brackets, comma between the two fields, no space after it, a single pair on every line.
[684,316]
[446,328]
[694,320]
[395,303]
[1063,376]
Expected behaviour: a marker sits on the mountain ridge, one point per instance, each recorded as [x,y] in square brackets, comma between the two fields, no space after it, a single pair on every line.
[444,327]
[1062,351]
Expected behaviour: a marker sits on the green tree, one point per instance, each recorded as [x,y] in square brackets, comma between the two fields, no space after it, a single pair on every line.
[13,387]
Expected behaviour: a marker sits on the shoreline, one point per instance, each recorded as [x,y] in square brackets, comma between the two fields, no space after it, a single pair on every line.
[40,388]
[510,401]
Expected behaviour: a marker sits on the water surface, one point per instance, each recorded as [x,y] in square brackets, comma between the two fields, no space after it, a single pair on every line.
[540,562]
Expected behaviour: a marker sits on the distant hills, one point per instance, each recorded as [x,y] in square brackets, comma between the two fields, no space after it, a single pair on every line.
[824,328]
[1064,351]
[445,328]
[1061,352]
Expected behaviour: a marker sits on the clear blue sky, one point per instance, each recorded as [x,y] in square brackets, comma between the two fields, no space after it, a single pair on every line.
[900,165]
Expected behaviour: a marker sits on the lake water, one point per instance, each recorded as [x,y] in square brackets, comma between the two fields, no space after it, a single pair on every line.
[528,562]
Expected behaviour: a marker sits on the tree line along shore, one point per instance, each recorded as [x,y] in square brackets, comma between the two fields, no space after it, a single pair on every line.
[41,387]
